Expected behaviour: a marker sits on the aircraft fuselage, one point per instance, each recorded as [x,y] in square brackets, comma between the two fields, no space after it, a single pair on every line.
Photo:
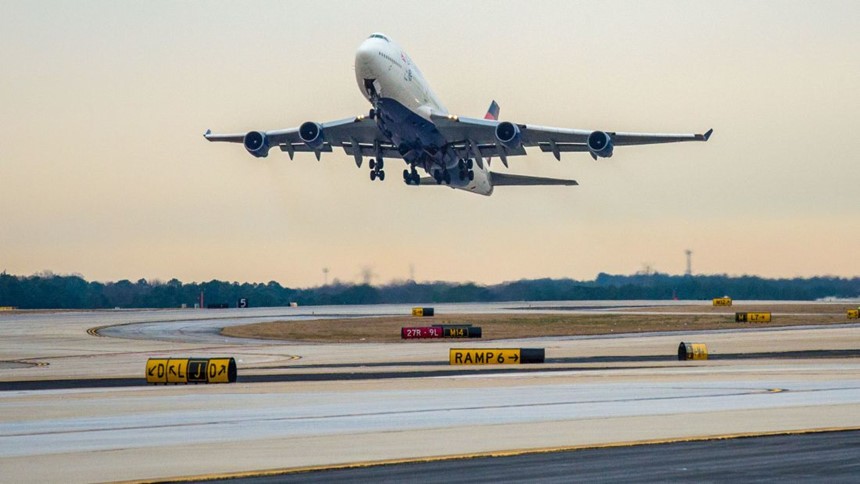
[403,104]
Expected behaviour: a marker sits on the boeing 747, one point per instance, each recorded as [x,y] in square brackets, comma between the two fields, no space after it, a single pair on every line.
[407,121]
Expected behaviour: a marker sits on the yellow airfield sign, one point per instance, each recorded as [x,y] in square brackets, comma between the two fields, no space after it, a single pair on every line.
[692,351]
[177,371]
[485,357]
[722,301]
[219,370]
[752,317]
[495,356]
[191,370]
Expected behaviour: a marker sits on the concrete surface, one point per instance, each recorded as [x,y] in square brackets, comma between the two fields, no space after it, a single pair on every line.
[104,434]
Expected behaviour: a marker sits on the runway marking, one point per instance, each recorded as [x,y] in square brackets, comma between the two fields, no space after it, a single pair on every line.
[488,454]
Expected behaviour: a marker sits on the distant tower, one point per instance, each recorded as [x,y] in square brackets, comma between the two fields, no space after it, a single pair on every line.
[412,272]
[325,274]
[689,262]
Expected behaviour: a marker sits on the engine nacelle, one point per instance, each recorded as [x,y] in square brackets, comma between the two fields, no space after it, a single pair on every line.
[312,134]
[257,144]
[600,144]
[509,135]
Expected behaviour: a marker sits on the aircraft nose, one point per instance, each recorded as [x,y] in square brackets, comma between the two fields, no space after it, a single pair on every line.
[366,53]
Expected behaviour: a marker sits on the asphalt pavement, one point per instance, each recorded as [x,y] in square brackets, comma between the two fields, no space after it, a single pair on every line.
[816,457]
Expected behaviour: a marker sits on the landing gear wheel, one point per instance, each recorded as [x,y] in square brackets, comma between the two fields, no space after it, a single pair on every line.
[471,175]
[381,175]
[379,163]
[437,175]
[469,165]
[447,177]
[462,174]
[371,114]
[461,165]
[406,176]
[372,175]
[372,164]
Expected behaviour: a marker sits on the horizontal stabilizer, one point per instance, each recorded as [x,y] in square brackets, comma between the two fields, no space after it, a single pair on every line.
[503,179]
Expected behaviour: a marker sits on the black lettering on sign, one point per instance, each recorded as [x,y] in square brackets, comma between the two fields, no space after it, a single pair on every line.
[458,358]
[161,370]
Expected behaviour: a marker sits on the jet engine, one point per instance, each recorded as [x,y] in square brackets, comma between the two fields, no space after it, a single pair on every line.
[257,144]
[600,144]
[312,134]
[509,135]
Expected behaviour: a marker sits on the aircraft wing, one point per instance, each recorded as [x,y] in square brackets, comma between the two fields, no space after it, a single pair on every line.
[473,133]
[358,136]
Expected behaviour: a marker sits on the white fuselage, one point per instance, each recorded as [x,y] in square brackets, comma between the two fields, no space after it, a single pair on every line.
[385,73]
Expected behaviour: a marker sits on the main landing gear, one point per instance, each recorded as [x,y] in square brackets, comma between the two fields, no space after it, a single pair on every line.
[466,171]
[376,169]
[442,176]
[411,177]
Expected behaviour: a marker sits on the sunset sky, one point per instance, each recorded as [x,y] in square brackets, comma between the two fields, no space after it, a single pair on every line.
[104,171]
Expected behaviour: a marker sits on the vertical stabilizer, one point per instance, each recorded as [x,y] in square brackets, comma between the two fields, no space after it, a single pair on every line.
[493,112]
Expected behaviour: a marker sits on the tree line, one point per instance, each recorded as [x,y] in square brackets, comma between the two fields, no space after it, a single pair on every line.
[51,291]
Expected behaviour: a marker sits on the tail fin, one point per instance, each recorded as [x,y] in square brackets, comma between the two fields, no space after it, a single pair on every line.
[493,112]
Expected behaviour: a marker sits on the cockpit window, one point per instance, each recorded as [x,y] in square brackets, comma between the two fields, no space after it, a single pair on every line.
[379,36]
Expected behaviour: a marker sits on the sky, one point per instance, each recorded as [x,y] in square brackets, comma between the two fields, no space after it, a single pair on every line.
[104,171]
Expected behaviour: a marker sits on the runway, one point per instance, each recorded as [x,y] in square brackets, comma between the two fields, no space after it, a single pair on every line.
[820,457]
[299,405]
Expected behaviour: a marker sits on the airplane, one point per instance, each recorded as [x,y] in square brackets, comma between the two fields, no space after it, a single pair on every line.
[407,121]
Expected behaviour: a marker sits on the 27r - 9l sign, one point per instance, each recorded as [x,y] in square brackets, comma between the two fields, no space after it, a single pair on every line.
[421,332]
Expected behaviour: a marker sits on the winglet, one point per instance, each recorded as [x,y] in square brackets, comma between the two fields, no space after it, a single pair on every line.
[207,133]
[708,133]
